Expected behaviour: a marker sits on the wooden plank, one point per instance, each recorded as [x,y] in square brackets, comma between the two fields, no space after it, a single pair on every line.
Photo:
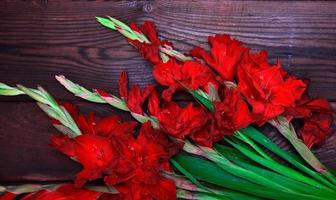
[39,40]
[26,156]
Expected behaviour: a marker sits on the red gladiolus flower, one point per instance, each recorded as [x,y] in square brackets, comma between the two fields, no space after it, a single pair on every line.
[152,149]
[179,122]
[305,107]
[225,55]
[107,149]
[95,153]
[317,115]
[316,129]
[135,97]
[149,50]
[101,149]
[209,133]
[66,191]
[258,59]
[190,73]
[232,113]
[267,90]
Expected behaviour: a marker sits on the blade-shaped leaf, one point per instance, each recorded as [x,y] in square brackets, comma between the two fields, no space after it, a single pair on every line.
[267,143]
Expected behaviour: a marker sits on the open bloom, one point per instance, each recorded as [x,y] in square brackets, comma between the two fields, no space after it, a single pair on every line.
[231,114]
[152,153]
[149,50]
[209,133]
[179,122]
[306,107]
[101,149]
[225,55]
[108,149]
[317,115]
[95,153]
[316,129]
[174,73]
[135,97]
[268,90]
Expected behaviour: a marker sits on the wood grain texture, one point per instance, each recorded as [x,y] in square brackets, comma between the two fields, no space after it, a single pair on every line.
[39,39]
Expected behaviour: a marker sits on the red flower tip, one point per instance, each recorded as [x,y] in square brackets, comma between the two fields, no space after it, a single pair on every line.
[154,103]
[102,93]
[136,98]
[66,191]
[225,55]
[149,51]
[123,85]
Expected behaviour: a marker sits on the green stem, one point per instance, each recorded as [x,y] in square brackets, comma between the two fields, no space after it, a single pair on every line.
[277,167]
[201,170]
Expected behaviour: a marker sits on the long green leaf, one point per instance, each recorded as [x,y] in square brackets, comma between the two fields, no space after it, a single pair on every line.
[191,178]
[249,141]
[276,167]
[287,182]
[267,143]
[225,164]
[209,172]
[283,180]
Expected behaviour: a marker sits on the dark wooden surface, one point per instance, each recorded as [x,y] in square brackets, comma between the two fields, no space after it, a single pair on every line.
[39,39]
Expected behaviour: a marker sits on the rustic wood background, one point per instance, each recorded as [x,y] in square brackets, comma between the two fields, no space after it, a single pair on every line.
[39,39]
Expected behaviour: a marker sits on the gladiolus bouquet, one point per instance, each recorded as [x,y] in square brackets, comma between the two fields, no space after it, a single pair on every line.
[208,147]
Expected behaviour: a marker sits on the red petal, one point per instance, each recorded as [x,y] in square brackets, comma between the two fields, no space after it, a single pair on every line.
[8,196]
[123,85]
[154,103]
